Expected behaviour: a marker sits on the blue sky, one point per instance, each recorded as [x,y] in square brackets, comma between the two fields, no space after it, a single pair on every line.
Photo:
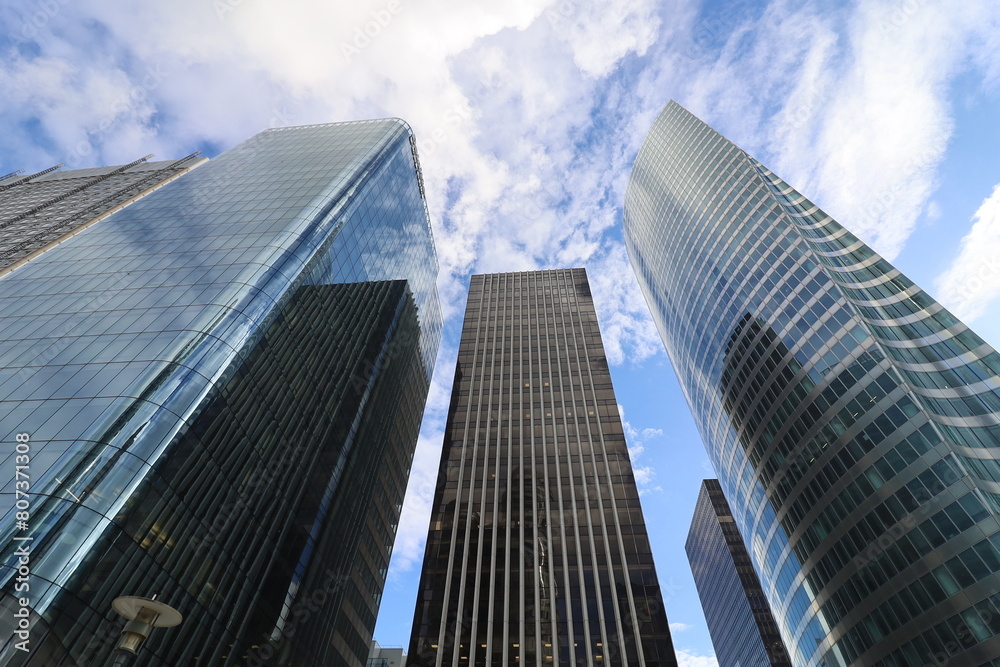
[528,115]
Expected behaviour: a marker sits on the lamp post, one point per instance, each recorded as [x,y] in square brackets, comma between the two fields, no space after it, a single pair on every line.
[143,615]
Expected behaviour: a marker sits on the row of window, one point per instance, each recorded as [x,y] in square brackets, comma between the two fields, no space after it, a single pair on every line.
[968,567]
[867,531]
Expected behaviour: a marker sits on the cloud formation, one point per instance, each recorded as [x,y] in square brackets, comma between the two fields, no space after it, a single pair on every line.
[527,115]
[690,658]
[501,98]
[852,108]
[973,280]
[645,475]
[408,549]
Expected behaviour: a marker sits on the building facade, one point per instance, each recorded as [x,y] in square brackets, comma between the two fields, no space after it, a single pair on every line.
[739,619]
[220,387]
[854,423]
[537,551]
[382,656]
[37,210]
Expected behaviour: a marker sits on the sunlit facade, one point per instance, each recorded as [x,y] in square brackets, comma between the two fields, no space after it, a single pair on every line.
[40,209]
[222,385]
[854,423]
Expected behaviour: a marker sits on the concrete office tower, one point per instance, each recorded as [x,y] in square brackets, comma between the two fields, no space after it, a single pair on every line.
[381,656]
[853,422]
[537,551]
[222,386]
[739,619]
[37,210]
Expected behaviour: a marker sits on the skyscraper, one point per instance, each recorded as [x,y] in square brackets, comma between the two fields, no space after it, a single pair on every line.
[537,551]
[221,387]
[852,420]
[739,619]
[36,210]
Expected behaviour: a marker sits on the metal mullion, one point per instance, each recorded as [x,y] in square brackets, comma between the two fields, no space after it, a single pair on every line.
[496,495]
[600,500]
[520,425]
[491,328]
[634,620]
[572,492]
[514,281]
[586,498]
[534,477]
[458,496]
[458,504]
[562,523]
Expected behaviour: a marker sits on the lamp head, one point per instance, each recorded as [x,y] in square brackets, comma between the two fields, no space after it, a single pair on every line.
[143,615]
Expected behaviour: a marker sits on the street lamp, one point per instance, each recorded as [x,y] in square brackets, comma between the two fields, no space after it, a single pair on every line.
[143,615]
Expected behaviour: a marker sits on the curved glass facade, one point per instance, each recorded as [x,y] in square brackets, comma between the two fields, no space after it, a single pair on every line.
[37,210]
[222,386]
[854,423]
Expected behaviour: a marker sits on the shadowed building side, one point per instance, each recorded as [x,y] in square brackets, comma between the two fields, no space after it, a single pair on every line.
[537,551]
[739,619]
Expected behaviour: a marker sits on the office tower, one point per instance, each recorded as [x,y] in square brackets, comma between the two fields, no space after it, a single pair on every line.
[382,656]
[741,624]
[36,210]
[222,386]
[853,422]
[537,551]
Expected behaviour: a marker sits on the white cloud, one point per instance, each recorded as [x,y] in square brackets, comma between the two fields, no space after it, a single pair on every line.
[680,627]
[596,50]
[505,100]
[851,108]
[501,98]
[411,535]
[626,326]
[972,282]
[408,549]
[644,475]
[689,658]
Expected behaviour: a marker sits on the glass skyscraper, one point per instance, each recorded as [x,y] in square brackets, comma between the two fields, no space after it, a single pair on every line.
[739,619]
[37,210]
[854,423]
[537,551]
[221,386]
